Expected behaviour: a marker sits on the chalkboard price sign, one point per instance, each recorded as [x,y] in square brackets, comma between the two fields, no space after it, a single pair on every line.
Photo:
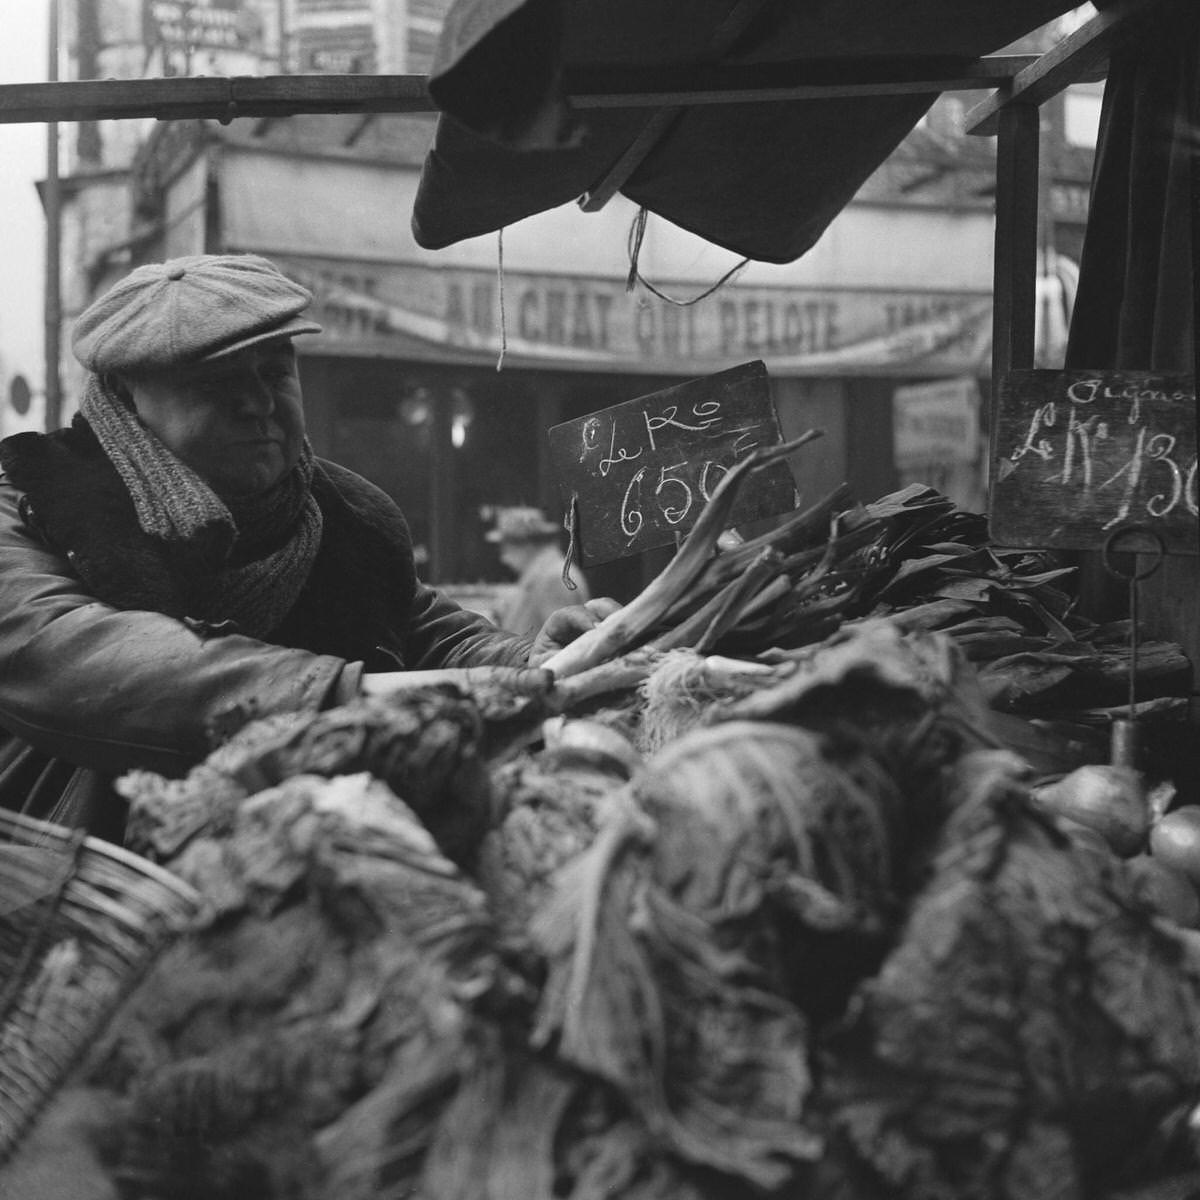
[640,472]
[1077,455]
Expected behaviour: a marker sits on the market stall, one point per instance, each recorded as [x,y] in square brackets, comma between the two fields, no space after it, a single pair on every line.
[806,874]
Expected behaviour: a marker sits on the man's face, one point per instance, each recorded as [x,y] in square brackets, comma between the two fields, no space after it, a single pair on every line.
[237,421]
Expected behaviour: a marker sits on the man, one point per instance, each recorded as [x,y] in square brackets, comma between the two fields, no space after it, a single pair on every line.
[529,548]
[179,554]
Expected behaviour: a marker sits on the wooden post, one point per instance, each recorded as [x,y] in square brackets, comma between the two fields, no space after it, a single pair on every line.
[1015,270]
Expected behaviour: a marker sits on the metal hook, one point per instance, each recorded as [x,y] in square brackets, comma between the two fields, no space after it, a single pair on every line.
[1110,548]
[1124,734]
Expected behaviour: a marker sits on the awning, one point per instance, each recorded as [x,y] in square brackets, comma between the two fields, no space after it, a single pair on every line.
[762,179]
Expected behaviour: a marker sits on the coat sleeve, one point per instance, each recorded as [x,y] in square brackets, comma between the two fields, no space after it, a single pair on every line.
[113,690]
[441,634]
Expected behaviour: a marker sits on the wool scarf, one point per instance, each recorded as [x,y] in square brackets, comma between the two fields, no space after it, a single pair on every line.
[271,538]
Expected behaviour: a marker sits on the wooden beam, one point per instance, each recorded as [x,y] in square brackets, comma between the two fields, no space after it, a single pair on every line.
[216,98]
[224,99]
[657,124]
[1082,55]
[812,79]
[672,88]
[663,116]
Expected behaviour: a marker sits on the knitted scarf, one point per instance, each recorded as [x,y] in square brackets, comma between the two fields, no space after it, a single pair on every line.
[269,540]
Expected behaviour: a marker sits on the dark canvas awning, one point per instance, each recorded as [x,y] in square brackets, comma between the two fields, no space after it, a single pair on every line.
[761,178]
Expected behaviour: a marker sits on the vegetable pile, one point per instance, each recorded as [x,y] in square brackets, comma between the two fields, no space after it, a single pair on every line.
[916,560]
[761,891]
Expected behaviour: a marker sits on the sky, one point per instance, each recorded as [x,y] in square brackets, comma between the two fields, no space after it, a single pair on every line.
[22,163]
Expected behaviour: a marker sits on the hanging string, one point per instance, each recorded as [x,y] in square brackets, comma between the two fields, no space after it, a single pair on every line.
[500,283]
[637,234]
[734,270]
[637,231]
[571,525]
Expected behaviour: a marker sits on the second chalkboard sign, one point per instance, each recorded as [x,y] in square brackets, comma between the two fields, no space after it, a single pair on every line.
[1077,455]
[640,472]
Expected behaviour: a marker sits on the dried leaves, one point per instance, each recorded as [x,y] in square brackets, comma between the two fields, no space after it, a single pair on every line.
[425,745]
[340,957]
[1032,1031]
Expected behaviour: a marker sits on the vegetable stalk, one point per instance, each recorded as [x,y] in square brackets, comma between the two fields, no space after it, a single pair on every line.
[634,622]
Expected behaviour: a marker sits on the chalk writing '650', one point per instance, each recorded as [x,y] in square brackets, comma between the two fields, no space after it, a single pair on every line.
[673,496]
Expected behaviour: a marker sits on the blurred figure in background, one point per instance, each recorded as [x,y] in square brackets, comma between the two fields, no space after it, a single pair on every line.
[529,547]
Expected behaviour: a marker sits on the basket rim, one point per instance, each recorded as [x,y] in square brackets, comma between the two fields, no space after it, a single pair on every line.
[38,832]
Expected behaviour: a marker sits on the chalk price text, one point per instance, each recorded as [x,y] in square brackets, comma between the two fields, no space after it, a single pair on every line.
[672,489]
[1154,478]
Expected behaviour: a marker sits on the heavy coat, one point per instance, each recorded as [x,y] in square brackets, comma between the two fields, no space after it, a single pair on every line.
[103,669]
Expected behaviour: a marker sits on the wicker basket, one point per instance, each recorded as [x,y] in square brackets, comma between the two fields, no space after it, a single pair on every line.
[80,921]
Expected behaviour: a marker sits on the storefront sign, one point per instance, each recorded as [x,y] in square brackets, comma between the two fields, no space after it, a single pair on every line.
[338,50]
[594,324]
[305,8]
[208,24]
[1078,455]
[639,474]
[936,422]
[334,37]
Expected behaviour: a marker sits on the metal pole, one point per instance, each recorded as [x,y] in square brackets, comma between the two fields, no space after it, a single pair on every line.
[53,284]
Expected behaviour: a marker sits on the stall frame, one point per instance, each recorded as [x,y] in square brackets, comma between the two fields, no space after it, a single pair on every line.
[1019,85]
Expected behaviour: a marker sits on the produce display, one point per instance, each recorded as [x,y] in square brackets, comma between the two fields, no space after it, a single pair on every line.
[784,883]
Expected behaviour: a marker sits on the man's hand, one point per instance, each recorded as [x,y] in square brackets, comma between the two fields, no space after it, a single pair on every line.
[564,625]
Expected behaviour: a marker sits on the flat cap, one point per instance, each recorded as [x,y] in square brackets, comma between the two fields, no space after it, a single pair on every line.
[189,310]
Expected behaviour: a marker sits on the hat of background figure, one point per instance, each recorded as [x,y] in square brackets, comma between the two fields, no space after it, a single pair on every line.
[521,525]
[189,310]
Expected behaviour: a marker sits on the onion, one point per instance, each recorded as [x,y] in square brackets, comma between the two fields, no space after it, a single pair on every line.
[1087,840]
[1175,840]
[1165,889]
[1108,799]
